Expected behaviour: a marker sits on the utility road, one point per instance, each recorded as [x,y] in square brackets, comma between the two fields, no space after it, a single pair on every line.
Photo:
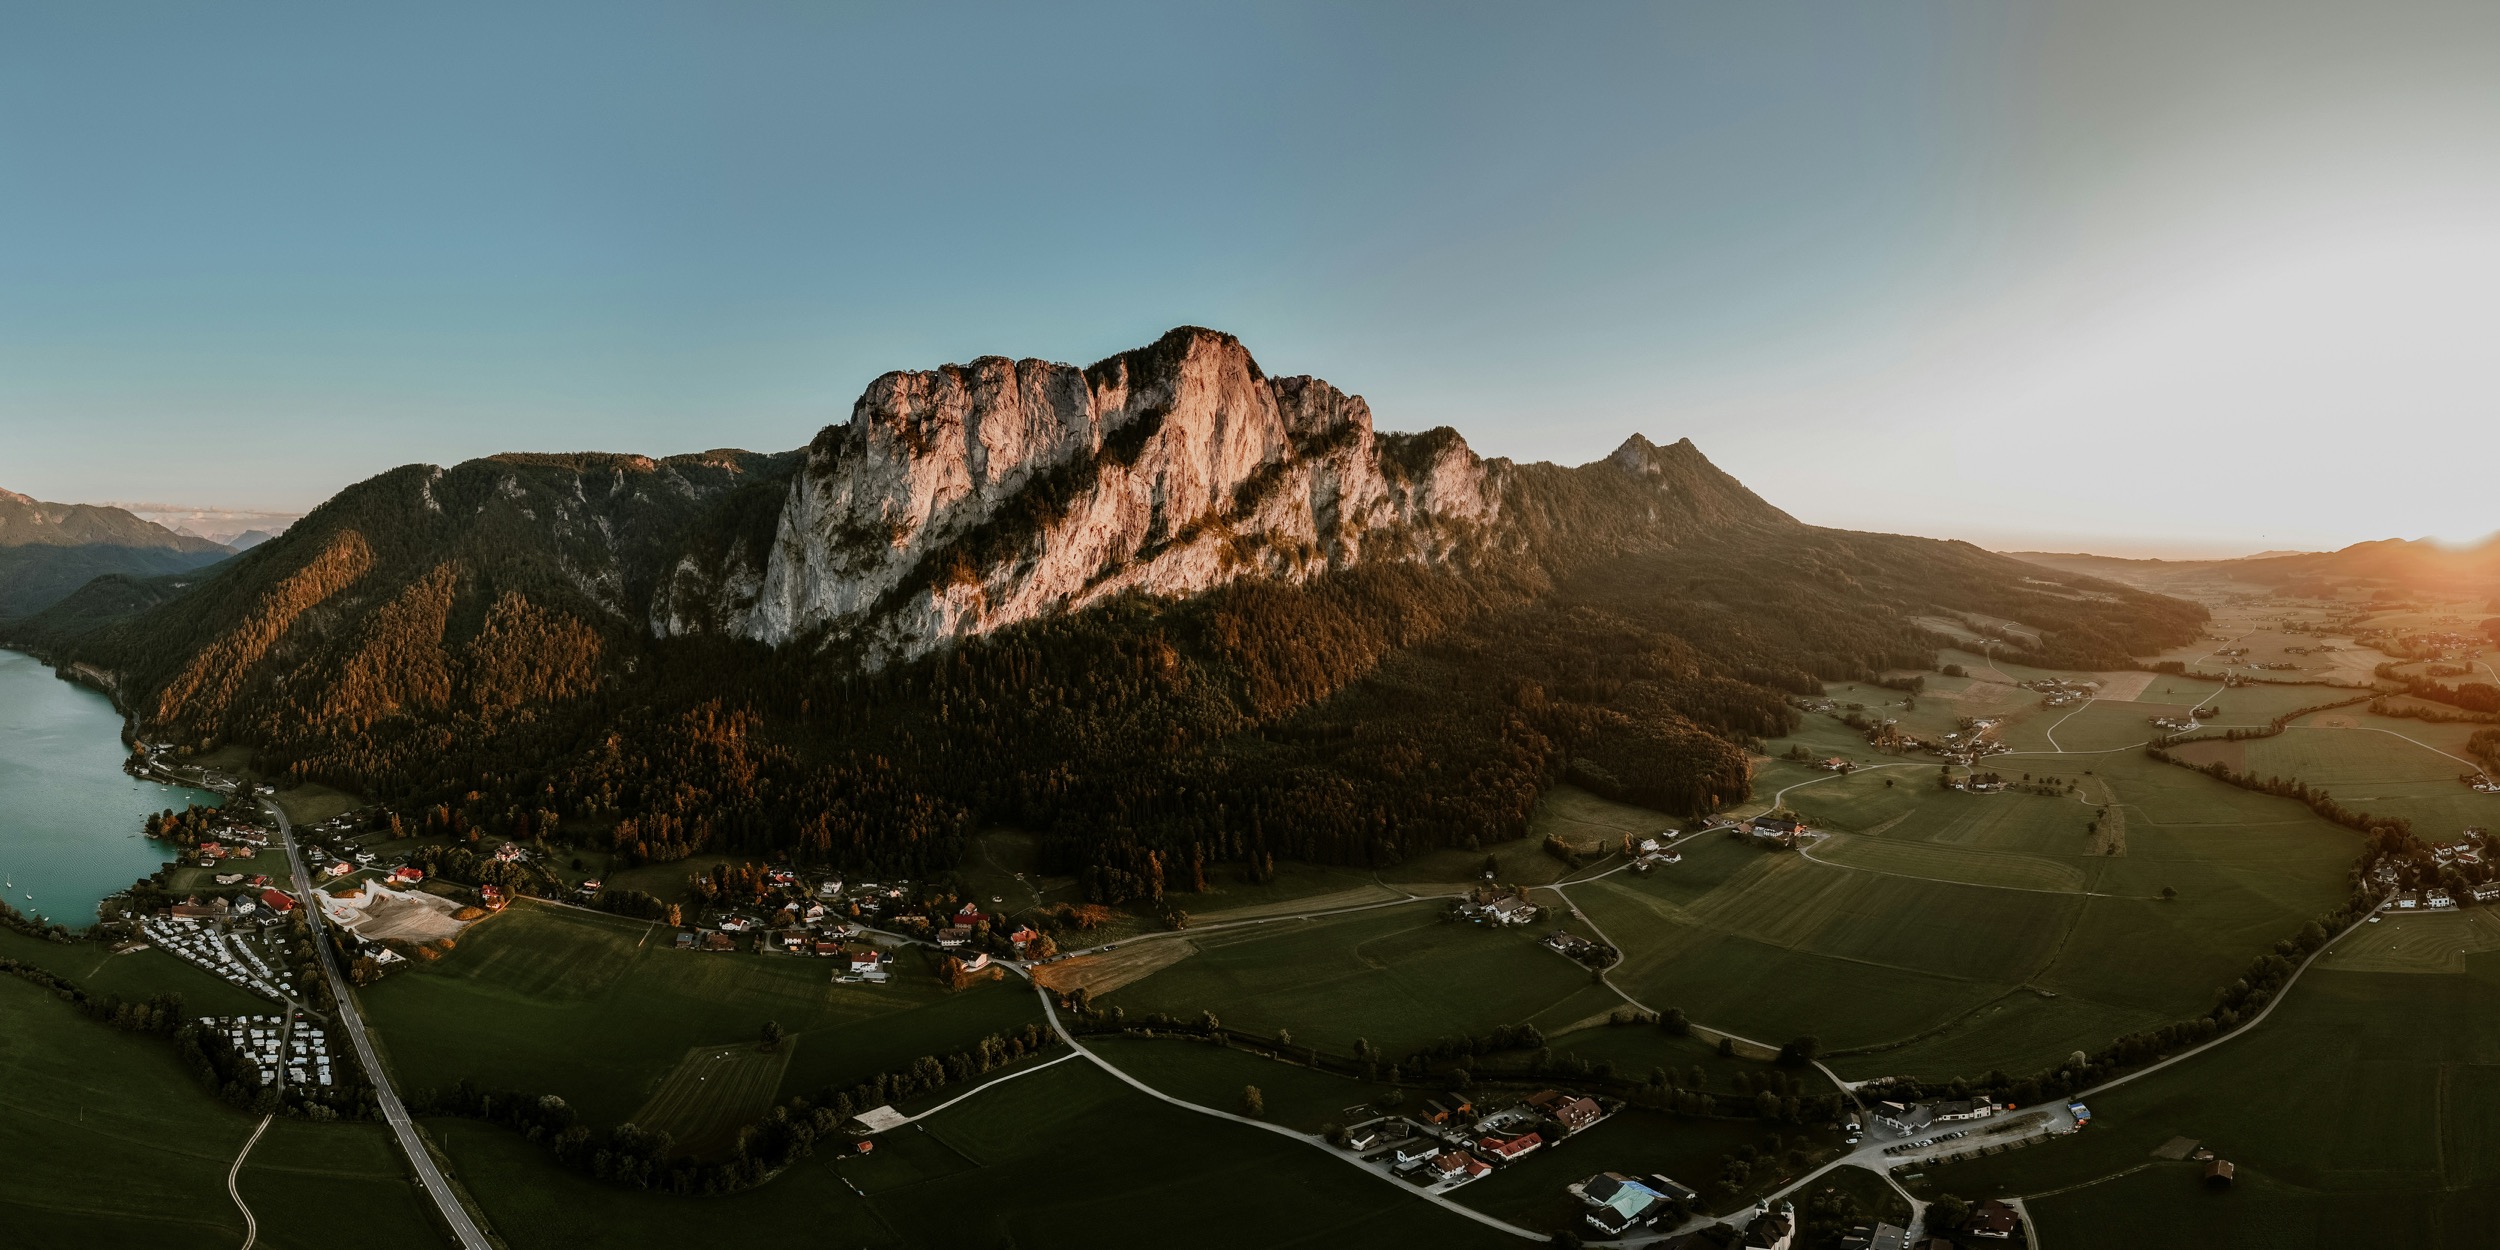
[351,1022]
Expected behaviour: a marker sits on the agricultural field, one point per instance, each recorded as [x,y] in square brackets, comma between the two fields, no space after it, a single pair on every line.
[1399,977]
[714,1092]
[81,1102]
[2360,1113]
[600,1010]
[139,975]
[1067,1157]
[1951,933]
[1214,1076]
[2384,765]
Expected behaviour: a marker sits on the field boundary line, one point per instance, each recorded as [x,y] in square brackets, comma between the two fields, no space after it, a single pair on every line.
[2052,1193]
[1057,1026]
[2393,734]
[1976,885]
[251,1224]
[987,1086]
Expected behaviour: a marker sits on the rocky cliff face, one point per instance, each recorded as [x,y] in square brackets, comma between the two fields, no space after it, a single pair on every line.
[968,498]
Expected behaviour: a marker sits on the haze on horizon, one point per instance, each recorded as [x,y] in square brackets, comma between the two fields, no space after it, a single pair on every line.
[2128,277]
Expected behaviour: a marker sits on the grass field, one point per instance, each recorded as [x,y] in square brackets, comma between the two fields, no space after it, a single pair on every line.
[138,975]
[107,1141]
[2417,942]
[1064,1158]
[1399,977]
[1965,932]
[2384,765]
[2361,1113]
[715,1091]
[599,1010]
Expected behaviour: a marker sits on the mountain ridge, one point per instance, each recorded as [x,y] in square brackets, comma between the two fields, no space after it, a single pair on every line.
[1164,606]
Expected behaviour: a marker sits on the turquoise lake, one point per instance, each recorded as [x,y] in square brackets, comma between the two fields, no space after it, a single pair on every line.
[69,816]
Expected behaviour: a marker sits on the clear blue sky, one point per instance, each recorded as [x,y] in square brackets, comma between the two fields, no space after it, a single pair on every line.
[2093,273]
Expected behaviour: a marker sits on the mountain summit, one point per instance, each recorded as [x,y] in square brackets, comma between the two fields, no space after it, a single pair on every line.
[964,499]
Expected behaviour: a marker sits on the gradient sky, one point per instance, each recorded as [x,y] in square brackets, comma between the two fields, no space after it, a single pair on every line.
[2137,277]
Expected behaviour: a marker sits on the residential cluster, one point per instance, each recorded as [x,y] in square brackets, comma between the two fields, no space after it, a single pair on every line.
[2061,691]
[211,935]
[273,1046]
[1452,1141]
[829,919]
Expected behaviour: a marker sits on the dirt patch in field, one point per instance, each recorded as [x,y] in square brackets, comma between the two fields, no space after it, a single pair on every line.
[2231,755]
[1103,973]
[2335,722]
[405,917]
[2122,687]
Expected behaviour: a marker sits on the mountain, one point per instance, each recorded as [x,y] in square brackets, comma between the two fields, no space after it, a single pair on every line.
[249,539]
[1166,610]
[2388,568]
[48,550]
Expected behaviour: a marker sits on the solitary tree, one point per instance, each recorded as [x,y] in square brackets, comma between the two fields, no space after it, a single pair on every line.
[772,1034]
[1253,1104]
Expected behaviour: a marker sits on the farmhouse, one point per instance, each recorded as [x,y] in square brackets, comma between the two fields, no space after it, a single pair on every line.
[1574,1113]
[1993,1219]
[866,961]
[1772,1230]
[719,942]
[2408,902]
[1458,1165]
[2439,899]
[406,875]
[1021,936]
[193,909]
[2486,892]
[1514,1149]
[1880,1237]
[1619,1204]
[1767,826]
[1964,1110]
[2218,1173]
[278,902]
[1903,1118]
[1509,911]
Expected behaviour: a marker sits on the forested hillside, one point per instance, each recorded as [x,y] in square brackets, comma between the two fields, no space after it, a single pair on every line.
[483,641]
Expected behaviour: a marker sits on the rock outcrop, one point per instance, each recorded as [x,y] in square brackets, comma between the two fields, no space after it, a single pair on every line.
[968,498]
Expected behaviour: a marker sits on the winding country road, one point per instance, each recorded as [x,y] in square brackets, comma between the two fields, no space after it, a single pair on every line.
[351,1021]
[1050,1009]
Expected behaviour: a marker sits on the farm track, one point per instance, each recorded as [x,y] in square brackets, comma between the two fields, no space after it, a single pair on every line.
[251,1224]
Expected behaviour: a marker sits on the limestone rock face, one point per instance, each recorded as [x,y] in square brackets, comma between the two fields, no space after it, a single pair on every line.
[972,497]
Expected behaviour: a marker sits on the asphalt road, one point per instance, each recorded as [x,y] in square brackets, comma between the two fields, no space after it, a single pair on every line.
[351,1022]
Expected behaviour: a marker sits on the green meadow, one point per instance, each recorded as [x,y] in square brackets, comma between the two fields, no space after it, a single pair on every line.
[107,1140]
[1066,1157]
[2364,1111]
[600,1010]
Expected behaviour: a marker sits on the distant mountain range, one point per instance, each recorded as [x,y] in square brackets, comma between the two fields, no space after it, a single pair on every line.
[2394,567]
[1164,609]
[48,550]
